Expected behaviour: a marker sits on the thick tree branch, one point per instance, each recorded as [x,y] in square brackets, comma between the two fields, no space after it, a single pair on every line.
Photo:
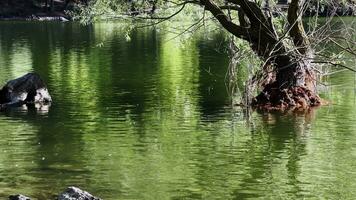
[233,28]
[252,10]
[297,31]
[230,7]
[242,19]
[258,21]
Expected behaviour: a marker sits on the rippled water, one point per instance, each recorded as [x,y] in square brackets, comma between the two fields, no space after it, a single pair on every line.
[145,116]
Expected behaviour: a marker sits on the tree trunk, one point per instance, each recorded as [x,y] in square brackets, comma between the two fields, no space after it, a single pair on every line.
[292,82]
[292,71]
[292,85]
[52,6]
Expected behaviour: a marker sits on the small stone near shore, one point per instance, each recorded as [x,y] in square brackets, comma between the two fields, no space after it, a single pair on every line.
[18,197]
[74,193]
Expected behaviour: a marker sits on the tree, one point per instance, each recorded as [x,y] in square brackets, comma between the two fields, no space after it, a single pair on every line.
[289,78]
[292,81]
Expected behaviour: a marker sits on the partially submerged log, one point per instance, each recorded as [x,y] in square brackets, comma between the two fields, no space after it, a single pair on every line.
[27,89]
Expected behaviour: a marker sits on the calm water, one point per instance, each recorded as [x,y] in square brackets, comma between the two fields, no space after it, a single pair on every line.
[148,117]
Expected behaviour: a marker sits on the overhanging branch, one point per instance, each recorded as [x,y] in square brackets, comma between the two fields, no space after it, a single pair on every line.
[233,28]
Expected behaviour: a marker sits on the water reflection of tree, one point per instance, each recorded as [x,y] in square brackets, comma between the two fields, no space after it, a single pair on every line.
[242,164]
[212,66]
[285,139]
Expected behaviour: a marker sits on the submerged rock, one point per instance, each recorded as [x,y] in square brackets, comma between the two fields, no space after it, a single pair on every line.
[29,88]
[74,193]
[18,197]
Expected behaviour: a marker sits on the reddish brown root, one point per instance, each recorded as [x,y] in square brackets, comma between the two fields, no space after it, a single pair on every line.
[292,98]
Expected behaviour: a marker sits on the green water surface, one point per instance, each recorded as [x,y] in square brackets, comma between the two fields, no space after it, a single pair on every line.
[147,116]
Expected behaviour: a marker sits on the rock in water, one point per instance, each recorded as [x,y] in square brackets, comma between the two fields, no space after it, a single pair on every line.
[29,88]
[18,197]
[74,193]
[63,19]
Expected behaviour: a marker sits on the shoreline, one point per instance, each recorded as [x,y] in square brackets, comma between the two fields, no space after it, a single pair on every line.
[327,11]
[67,19]
[60,18]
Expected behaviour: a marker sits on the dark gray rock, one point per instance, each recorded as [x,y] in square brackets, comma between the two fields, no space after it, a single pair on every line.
[18,197]
[74,193]
[29,88]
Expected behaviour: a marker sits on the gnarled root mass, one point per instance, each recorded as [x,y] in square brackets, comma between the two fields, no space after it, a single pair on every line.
[292,98]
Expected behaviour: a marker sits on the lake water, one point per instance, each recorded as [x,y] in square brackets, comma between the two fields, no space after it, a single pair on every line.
[147,116]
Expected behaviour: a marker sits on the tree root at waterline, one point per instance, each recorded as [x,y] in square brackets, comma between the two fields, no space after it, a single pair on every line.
[292,98]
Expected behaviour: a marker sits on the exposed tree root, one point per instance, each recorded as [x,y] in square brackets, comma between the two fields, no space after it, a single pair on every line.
[292,98]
